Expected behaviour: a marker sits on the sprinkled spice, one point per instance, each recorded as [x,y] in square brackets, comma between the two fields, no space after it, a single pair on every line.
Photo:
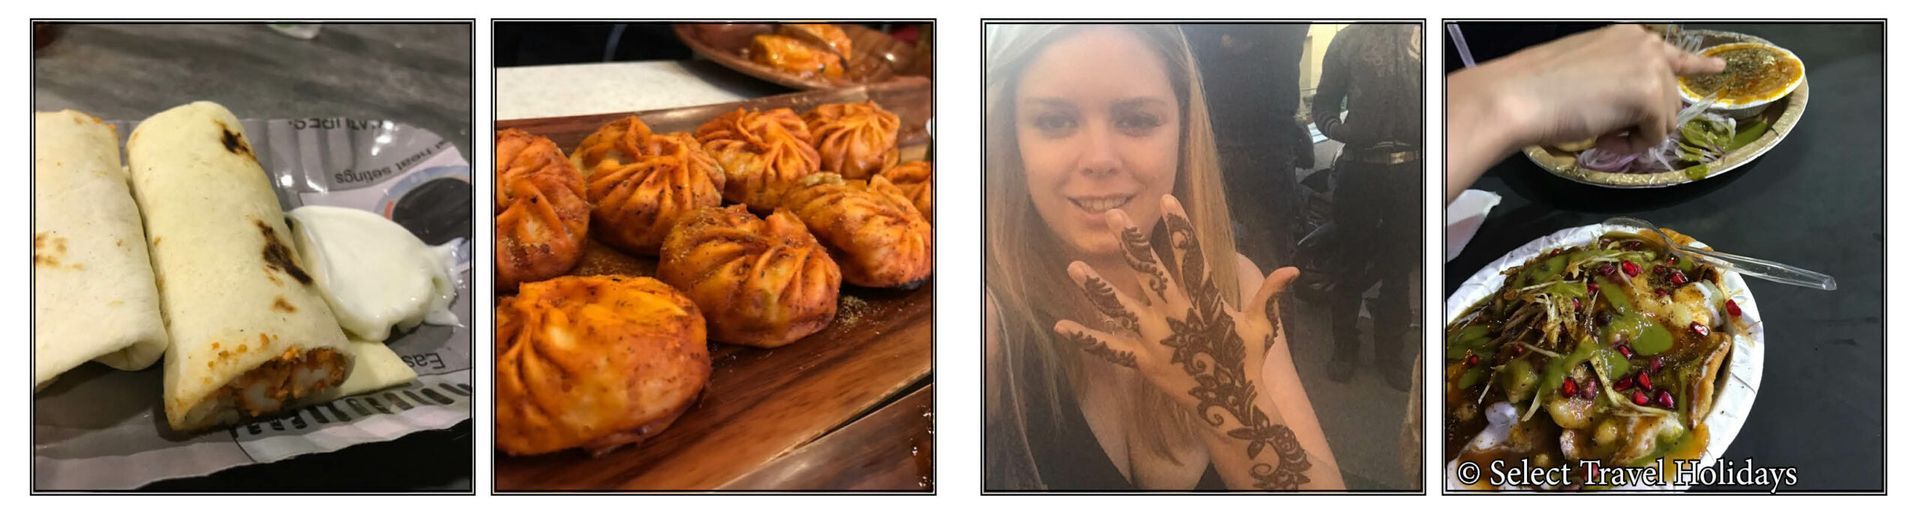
[1754,72]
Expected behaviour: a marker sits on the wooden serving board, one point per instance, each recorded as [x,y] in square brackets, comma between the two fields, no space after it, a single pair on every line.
[865,455]
[847,402]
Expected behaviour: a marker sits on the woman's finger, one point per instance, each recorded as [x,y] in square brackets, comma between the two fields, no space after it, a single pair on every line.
[1275,285]
[1100,344]
[1684,63]
[1115,305]
[1138,252]
[1264,323]
[1189,259]
[1655,120]
[1670,98]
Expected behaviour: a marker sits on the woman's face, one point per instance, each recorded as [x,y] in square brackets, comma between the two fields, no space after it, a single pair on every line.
[1099,129]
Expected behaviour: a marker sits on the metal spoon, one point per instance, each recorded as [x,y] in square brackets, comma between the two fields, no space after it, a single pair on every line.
[1748,266]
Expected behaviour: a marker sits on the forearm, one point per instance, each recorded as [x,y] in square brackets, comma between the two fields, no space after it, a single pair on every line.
[1274,440]
[1331,125]
[1330,96]
[1326,112]
[1285,394]
[1480,127]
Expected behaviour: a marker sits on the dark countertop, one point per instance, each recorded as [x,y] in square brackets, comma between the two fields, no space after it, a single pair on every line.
[421,75]
[1818,201]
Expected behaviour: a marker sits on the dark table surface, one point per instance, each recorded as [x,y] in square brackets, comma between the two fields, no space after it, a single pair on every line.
[1818,201]
[421,75]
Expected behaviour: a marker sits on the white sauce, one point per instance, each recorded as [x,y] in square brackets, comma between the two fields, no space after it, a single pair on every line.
[374,273]
[1501,416]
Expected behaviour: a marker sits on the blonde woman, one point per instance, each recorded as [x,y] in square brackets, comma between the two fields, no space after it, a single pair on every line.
[1129,345]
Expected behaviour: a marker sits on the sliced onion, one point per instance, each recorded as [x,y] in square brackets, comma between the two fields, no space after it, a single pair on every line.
[1601,160]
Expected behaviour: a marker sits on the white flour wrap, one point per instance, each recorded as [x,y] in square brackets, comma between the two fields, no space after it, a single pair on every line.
[375,367]
[94,296]
[250,334]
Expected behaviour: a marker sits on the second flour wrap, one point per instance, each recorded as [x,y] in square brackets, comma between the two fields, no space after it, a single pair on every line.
[250,334]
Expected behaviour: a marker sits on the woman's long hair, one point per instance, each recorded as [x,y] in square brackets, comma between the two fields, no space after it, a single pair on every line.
[1027,264]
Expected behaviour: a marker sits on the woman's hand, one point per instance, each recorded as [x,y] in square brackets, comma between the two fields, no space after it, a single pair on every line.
[1186,339]
[1584,86]
[1597,82]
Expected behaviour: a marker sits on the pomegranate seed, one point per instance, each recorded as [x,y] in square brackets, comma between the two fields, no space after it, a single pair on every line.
[1698,328]
[1632,269]
[1473,360]
[1640,398]
[1733,309]
[1661,292]
[1590,389]
[1567,388]
[1606,268]
[1677,278]
[1622,384]
[1624,351]
[1592,288]
[1671,260]
[1655,367]
[1633,245]
[1665,399]
[1645,381]
[1576,304]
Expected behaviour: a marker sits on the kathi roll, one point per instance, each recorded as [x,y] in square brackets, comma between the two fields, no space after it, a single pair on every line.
[250,334]
[93,292]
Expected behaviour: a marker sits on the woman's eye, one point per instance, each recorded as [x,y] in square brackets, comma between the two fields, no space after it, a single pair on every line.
[1054,124]
[1138,124]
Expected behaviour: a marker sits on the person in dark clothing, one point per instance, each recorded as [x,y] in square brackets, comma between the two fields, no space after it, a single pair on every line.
[1252,78]
[1372,74]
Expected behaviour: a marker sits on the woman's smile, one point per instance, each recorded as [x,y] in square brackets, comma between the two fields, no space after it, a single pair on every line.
[1098,205]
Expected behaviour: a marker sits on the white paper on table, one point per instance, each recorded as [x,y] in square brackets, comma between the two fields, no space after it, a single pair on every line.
[1464,217]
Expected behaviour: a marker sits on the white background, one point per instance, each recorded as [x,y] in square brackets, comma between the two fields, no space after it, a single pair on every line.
[958,315]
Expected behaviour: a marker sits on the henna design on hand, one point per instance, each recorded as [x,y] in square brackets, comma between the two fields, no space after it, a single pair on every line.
[1099,349]
[1208,347]
[1273,308]
[1108,303]
[1138,251]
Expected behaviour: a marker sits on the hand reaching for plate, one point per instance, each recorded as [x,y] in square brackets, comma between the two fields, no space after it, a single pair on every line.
[1188,340]
[1592,84]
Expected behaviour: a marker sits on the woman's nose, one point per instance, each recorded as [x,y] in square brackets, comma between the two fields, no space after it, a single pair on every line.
[1099,158]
